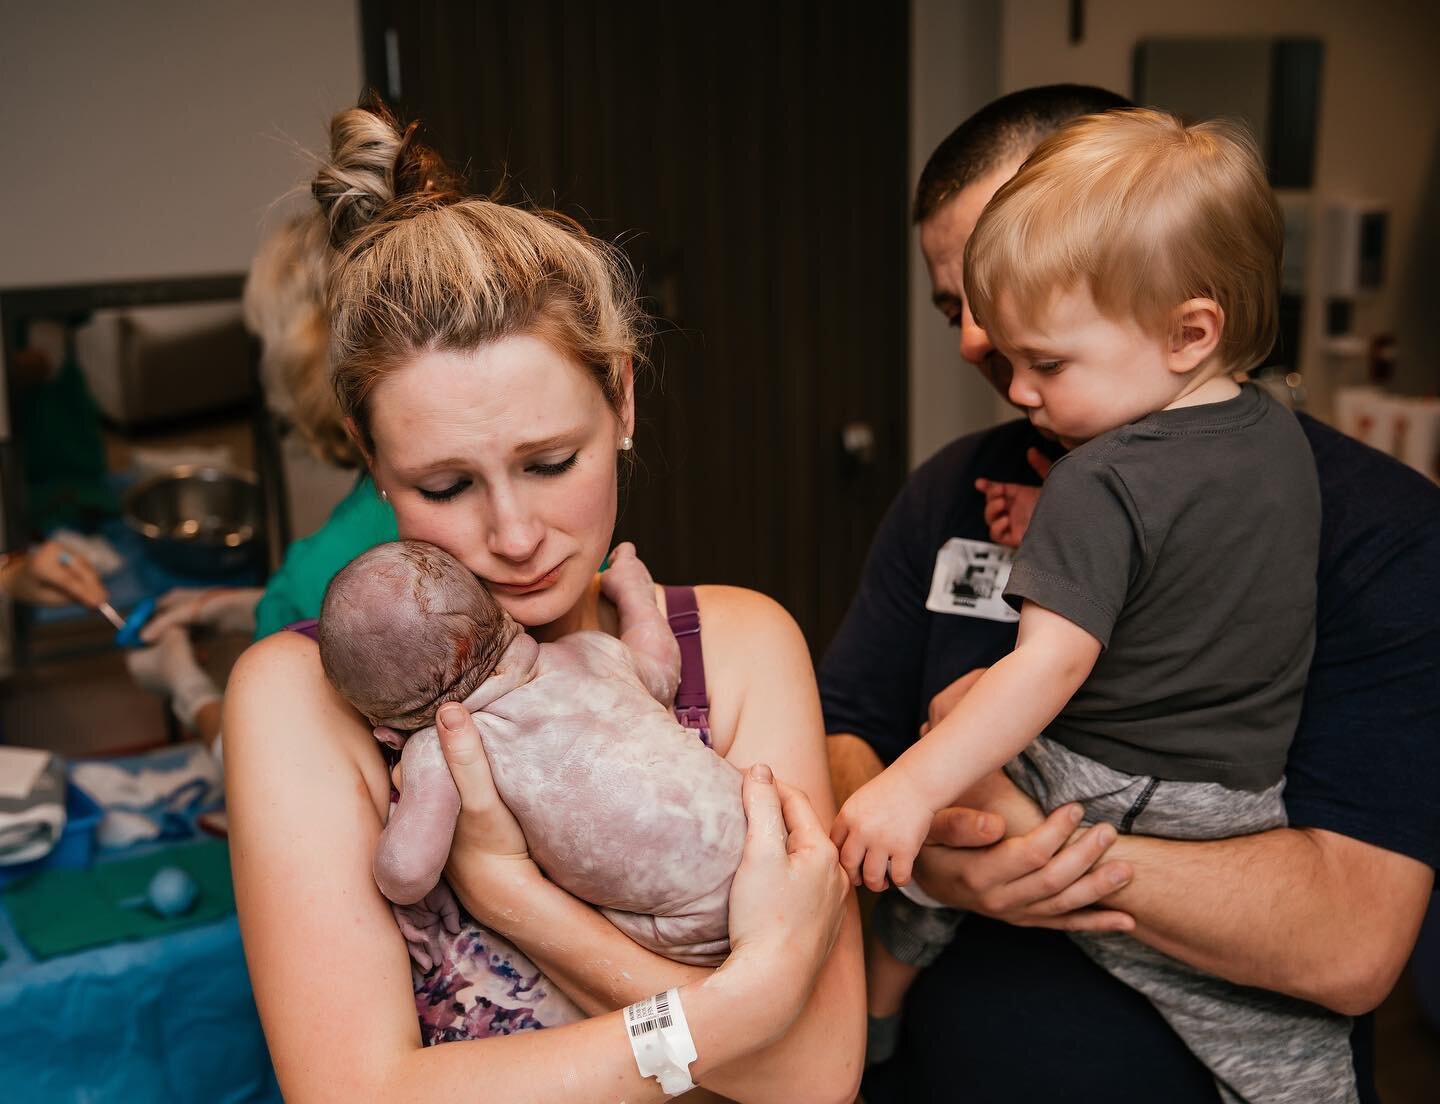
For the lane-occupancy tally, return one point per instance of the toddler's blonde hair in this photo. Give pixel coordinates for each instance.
(1145, 212)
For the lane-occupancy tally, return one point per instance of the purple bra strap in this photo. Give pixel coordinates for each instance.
(692, 703)
(309, 627)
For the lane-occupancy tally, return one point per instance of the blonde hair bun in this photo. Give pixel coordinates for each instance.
(373, 162)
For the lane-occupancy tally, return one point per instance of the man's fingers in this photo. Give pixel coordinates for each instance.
(1039, 463)
(1089, 920)
(961, 827)
(1095, 886)
(995, 508)
(1052, 876)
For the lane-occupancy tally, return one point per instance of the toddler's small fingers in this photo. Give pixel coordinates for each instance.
(877, 864)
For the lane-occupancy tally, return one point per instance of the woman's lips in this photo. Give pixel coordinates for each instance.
(541, 583)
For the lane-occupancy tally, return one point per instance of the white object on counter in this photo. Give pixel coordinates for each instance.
(1405, 427)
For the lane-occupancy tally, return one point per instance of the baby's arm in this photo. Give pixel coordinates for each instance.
(885, 822)
(643, 628)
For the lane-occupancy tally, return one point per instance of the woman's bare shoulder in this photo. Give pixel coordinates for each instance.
(279, 704)
(730, 614)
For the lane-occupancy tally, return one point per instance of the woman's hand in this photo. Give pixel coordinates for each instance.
(220, 609)
(486, 829)
(53, 575)
(786, 901)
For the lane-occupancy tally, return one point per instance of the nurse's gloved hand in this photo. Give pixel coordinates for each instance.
(170, 669)
(219, 609)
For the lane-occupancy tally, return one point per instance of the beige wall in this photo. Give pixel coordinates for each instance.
(1379, 128)
(954, 71)
(151, 138)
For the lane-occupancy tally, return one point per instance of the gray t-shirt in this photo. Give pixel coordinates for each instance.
(1186, 543)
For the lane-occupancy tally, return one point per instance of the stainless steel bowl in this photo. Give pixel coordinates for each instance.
(197, 520)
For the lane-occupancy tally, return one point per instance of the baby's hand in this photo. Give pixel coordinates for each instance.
(880, 828)
(627, 577)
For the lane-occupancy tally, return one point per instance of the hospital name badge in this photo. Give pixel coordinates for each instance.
(970, 578)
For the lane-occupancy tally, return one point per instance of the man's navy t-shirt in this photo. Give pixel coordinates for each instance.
(1019, 1014)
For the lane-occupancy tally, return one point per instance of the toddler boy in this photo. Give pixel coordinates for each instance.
(1129, 272)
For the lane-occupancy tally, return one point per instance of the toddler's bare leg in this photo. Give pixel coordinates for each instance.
(643, 628)
(887, 980)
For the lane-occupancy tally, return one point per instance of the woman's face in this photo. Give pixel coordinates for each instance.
(505, 457)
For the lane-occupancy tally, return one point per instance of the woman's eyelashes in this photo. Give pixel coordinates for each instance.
(555, 469)
(1049, 367)
(447, 493)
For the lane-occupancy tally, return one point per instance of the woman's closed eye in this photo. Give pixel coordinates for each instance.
(445, 494)
(559, 468)
(1048, 367)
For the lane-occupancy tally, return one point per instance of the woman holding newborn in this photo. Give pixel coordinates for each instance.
(484, 356)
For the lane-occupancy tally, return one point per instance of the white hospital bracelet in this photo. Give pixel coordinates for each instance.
(661, 1040)
(913, 891)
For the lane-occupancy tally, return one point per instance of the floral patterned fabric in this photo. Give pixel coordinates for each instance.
(469, 983)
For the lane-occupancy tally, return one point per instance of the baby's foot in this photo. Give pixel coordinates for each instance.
(627, 579)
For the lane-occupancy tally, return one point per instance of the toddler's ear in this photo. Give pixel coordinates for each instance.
(389, 737)
(1195, 334)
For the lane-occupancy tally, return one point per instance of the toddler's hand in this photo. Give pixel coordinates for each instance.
(1010, 506)
(881, 828)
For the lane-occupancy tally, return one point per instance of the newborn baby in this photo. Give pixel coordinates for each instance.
(619, 803)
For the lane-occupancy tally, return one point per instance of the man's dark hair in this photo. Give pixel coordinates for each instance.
(1002, 128)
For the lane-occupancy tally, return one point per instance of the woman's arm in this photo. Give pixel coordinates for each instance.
(765, 708)
(305, 790)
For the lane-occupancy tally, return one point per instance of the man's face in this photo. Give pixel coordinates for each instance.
(942, 240)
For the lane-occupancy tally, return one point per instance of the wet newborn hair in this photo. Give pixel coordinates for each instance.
(406, 628)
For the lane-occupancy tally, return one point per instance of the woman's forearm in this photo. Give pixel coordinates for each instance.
(1309, 913)
(601, 969)
(590, 1060)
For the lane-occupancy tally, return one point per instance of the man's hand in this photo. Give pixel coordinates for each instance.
(1045, 878)
(1009, 506)
(880, 830)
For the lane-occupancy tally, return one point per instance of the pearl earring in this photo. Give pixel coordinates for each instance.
(627, 443)
(384, 496)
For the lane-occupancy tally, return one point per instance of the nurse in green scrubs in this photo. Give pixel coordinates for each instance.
(284, 307)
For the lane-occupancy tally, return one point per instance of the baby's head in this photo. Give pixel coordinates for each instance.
(406, 628)
(1130, 260)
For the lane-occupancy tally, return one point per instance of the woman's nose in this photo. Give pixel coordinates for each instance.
(515, 532)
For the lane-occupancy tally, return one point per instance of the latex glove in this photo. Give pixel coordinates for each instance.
(170, 669)
(219, 609)
(53, 575)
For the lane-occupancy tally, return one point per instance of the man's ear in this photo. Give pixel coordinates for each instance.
(1195, 330)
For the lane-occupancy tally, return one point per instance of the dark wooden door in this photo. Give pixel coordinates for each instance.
(751, 159)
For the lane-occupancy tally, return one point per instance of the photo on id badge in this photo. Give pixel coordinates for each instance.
(970, 578)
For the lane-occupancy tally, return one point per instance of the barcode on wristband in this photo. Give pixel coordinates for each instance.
(651, 1014)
